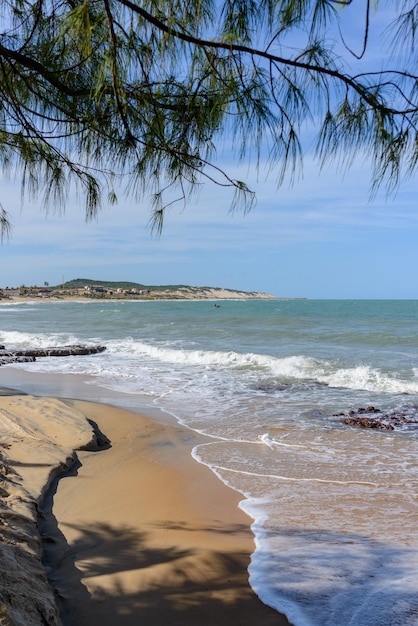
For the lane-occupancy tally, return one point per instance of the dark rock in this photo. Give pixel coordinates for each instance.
(4, 360)
(391, 420)
(30, 354)
(367, 422)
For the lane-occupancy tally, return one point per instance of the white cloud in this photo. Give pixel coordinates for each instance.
(283, 245)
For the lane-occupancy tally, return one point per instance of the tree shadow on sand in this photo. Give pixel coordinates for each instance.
(151, 585)
(198, 587)
(133, 581)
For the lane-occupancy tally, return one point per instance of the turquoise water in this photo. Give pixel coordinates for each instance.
(334, 508)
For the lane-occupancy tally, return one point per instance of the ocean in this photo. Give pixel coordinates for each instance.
(333, 507)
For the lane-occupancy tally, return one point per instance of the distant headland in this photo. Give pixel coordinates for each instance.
(82, 288)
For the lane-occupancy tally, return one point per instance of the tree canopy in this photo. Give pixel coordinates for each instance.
(138, 94)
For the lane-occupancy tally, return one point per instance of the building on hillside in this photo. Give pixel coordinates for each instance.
(95, 288)
(9, 293)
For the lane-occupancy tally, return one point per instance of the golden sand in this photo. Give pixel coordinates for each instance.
(142, 534)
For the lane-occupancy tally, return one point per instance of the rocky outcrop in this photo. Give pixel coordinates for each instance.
(31, 354)
(370, 417)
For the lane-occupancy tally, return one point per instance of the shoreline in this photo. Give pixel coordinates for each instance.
(84, 299)
(144, 530)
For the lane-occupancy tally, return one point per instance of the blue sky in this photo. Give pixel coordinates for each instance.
(321, 238)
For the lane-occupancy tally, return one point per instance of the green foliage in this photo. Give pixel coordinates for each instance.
(80, 283)
(140, 94)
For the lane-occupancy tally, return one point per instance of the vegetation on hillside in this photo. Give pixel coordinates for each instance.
(80, 283)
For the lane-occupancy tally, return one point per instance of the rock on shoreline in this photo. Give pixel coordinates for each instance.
(31, 354)
(370, 417)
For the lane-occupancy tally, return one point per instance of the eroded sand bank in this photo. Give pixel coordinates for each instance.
(140, 534)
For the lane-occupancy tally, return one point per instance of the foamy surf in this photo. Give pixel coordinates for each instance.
(334, 506)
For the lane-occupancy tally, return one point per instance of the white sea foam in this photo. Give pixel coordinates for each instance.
(267, 440)
(288, 369)
(126, 352)
(20, 340)
(323, 577)
(334, 508)
(328, 545)
(370, 379)
(316, 583)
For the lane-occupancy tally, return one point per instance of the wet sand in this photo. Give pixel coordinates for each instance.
(140, 533)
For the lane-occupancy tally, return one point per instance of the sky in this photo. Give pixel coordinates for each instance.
(320, 238)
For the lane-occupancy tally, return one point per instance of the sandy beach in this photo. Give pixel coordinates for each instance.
(139, 531)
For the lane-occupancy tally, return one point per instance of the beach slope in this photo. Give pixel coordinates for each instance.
(139, 531)
(38, 439)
